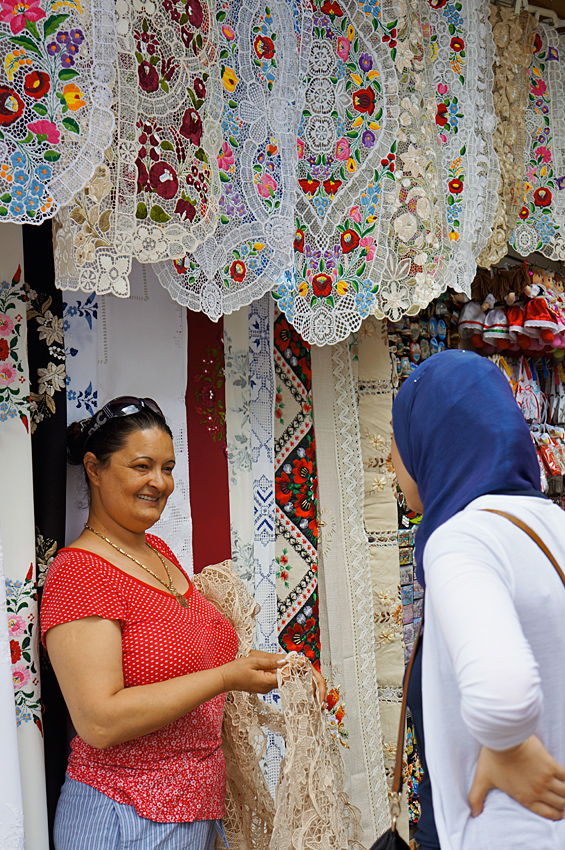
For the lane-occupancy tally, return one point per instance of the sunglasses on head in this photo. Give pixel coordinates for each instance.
(124, 405)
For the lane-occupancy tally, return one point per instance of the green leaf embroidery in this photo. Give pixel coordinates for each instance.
(67, 74)
(71, 125)
(25, 41)
(159, 215)
(166, 146)
(52, 24)
(141, 211)
(40, 109)
(51, 156)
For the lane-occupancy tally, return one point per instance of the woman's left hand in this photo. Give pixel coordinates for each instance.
(320, 682)
(527, 773)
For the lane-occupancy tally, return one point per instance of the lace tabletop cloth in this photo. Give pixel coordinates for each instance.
(57, 59)
(513, 36)
(346, 161)
(263, 49)
(541, 217)
(312, 811)
(462, 50)
(419, 247)
(157, 193)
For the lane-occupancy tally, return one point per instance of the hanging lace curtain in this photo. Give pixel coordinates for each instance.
(419, 247)
(462, 52)
(156, 195)
(263, 48)
(346, 161)
(57, 68)
(541, 223)
(513, 37)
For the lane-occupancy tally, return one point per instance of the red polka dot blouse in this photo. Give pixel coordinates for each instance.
(177, 773)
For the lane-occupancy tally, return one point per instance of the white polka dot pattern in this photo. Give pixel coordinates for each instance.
(177, 773)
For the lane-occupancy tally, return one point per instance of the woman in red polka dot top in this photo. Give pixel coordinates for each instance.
(143, 660)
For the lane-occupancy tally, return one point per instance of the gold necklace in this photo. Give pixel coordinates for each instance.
(171, 588)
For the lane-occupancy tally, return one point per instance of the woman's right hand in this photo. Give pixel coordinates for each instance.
(256, 674)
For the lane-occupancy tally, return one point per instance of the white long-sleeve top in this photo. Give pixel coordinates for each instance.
(493, 664)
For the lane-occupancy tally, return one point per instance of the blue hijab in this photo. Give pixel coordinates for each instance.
(460, 435)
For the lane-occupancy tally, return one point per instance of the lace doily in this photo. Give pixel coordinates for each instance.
(462, 50)
(513, 37)
(262, 65)
(419, 247)
(312, 810)
(157, 193)
(541, 216)
(346, 162)
(57, 58)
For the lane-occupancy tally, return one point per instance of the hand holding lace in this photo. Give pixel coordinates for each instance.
(255, 674)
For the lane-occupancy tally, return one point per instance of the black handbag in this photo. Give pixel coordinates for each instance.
(391, 840)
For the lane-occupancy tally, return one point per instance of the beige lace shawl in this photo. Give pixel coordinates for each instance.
(312, 811)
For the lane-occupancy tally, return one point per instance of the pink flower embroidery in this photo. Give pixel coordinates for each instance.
(267, 186)
(343, 46)
(531, 174)
(226, 158)
(367, 243)
(442, 138)
(16, 625)
(342, 149)
(300, 146)
(6, 325)
(545, 154)
(355, 214)
(538, 88)
(17, 12)
(442, 88)
(7, 374)
(20, 676)
(45, 128)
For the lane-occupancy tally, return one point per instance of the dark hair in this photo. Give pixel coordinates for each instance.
(110, 437)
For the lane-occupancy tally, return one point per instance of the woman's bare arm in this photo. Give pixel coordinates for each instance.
(86, 655)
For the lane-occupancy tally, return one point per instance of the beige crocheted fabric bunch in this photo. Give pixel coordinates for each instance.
(513, 37)
(312, 811)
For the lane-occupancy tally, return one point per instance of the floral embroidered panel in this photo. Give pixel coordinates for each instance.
(346, 161)
(156, 195)
(513, 37)
(296, 495)
(18, 536)
(12, 816)
(462, 51)
(263, 50)
(419, 248)
(56, 74)
(541, 223)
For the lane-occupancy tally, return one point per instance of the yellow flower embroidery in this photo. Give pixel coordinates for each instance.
(229, 79)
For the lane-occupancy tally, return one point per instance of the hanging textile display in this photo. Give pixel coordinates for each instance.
(124, 328)
(346, 161)
(347, 624)
(48, 425)
(542, 219)
(56, 120)
(263, 52)
(262, 410)
(206, 422)
(238, 436)
(419, 247)
(155, 197)
(381, 523)
(296, 495)
(80, 317)
(11, 810)
(18, 537)
(462, 51)
(513, 37)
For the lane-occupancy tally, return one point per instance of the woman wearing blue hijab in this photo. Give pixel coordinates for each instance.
(487, 692)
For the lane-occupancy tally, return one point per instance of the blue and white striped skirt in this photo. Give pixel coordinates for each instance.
(86, 819)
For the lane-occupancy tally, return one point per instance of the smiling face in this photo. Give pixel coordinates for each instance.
(405, 481)
(131, 491)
